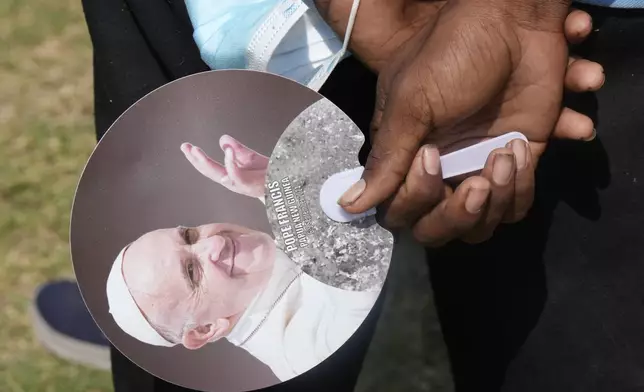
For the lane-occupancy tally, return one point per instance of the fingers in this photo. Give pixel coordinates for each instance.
(577, 26)
(504, 192)
(574, 125)
(422, 190)
(584, 75)
(233, 171)
(394, 147)
(456, 215)
(581, 76)
(500, 171)
(523, 182)
(246, 158)
(203, 163)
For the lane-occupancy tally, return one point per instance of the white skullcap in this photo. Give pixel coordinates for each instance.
(125, 311)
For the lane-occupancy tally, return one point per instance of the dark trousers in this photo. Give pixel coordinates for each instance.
(554, 303)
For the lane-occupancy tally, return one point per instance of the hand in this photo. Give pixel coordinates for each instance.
(473, 210)
(382, 27)
(421, 98)
(243, 172)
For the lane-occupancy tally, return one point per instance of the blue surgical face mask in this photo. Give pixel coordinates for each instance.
(285, 37)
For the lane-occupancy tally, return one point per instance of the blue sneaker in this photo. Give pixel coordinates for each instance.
(64, 326)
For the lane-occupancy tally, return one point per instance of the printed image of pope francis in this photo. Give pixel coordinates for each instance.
(192, 286)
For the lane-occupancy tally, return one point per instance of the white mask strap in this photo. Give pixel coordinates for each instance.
(323, 74)
(352, 21)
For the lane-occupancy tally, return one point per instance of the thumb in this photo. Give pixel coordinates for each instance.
(396, 140)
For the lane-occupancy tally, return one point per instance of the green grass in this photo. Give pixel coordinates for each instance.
(46, 135)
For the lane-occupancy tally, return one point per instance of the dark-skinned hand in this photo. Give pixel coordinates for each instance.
(452, 74)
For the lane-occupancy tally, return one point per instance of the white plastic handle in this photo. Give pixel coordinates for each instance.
(473, 158)
(466, 160)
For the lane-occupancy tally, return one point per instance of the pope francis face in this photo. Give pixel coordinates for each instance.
(193, 283)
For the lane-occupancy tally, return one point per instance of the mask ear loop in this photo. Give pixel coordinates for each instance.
(321, 76)
(352, 21)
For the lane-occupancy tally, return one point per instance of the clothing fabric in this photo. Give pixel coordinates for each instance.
(556, 302)
(590, 334)
(297, 322)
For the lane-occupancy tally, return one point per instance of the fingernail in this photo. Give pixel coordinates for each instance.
(352, 194)
(476, 199)
(592, 136)
(520, 153)
(502, 171)
(598, 83)
(603, 81)
(431, 160)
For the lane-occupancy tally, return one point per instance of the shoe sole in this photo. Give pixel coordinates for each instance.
(73, 350)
